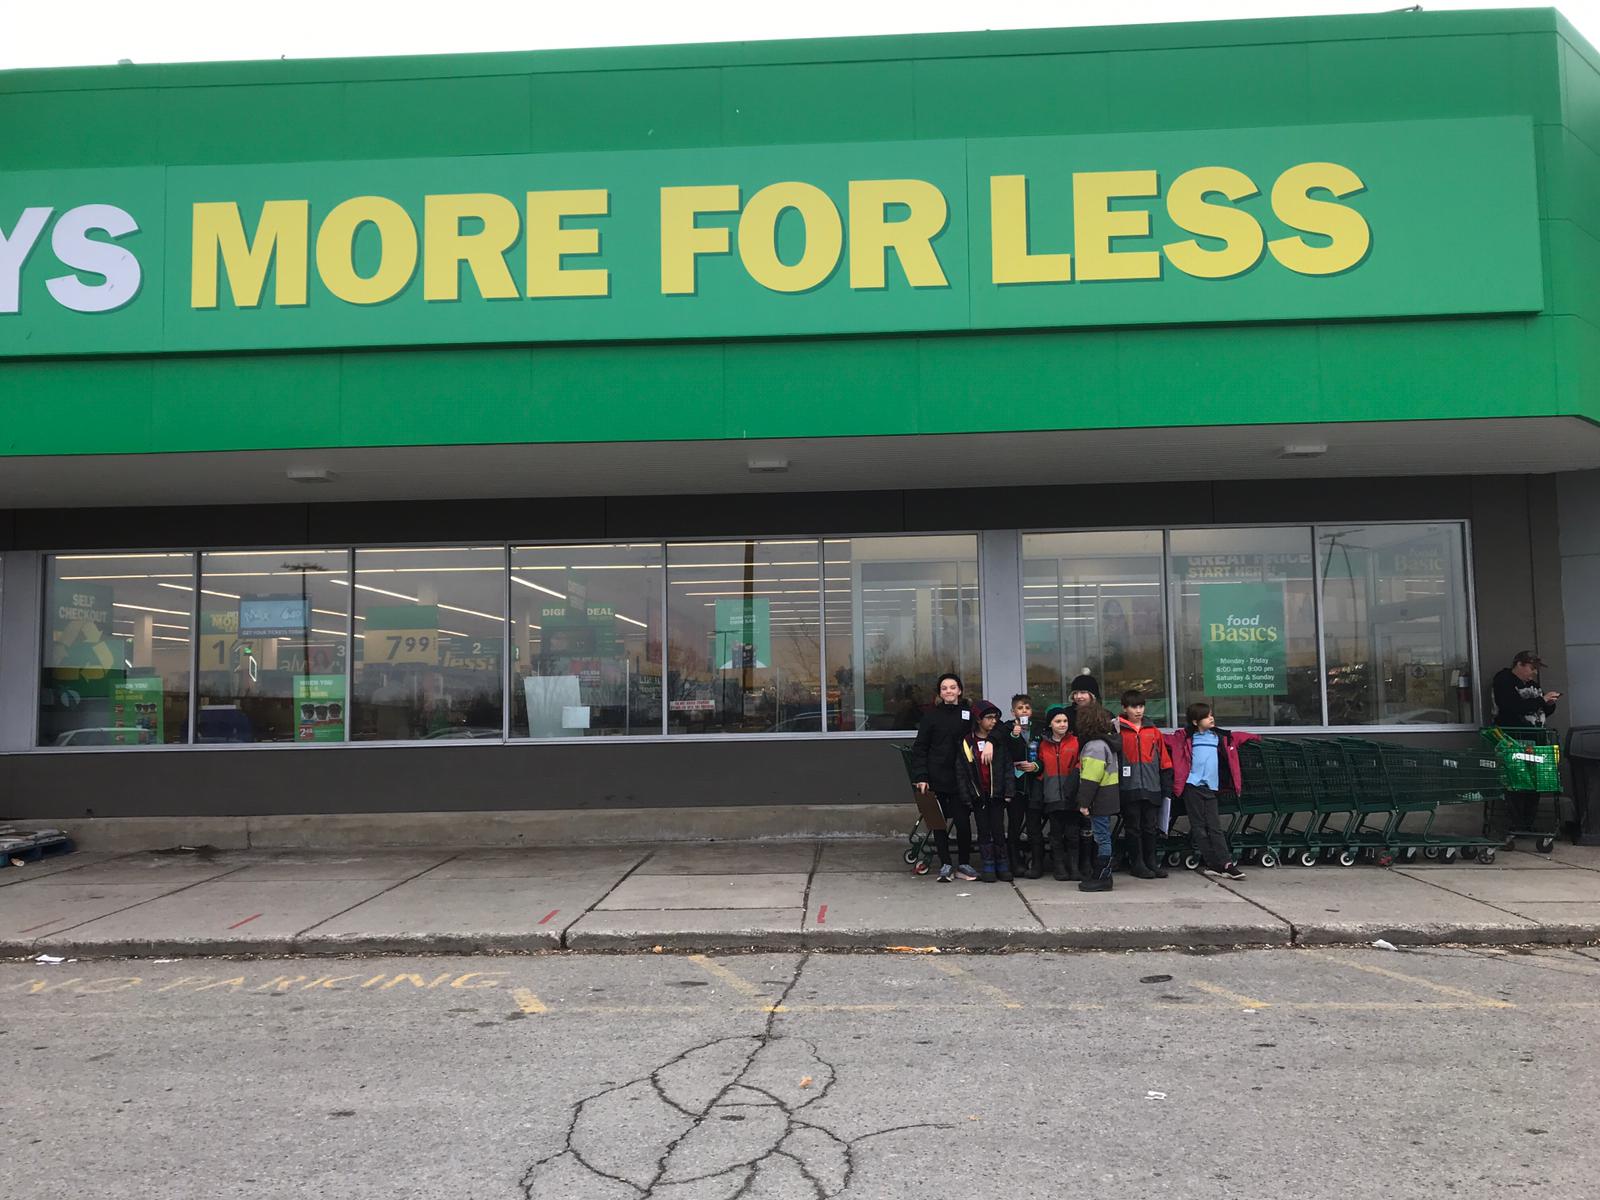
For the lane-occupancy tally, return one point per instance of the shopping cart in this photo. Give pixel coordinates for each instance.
(1529, 761)
(920, 849)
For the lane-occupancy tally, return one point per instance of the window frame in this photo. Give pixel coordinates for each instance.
(45, 558)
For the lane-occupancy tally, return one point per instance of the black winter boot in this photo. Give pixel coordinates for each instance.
(1138, 862)
(1152, 856)
(1087, 857)
(1100, 880)
(1060, 860)
(1035, 845)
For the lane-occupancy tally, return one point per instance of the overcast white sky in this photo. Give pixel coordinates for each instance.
(39, 33)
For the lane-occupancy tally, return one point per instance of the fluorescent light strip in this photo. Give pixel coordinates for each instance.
(105, 557)
(171, 612)
(538, 587)
(76, 578)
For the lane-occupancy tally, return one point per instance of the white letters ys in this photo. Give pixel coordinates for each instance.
(116, 268)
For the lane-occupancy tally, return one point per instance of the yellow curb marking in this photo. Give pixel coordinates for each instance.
(744, 987)
(988, 989)
(528, 1002)
(1214, 989)
(1442, 988)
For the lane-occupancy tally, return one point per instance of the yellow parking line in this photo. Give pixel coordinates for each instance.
(1443, 989)
(528, 1002)
(1213, 989)
(742, 986)
(988, 989)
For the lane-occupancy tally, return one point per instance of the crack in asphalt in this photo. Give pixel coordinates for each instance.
(757, 1079)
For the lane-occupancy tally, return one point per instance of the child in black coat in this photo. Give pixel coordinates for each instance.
(985, 772)
(934, 758)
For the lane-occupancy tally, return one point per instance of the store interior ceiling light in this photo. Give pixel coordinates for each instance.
(1303, 450)
(309, 475)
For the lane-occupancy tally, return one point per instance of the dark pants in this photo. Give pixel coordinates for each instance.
(1519, 810)
(1016, 816)
(1205, 827)
(991, 818)
(1141, 814)
(957, 813)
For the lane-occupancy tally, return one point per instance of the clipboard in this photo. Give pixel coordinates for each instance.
(930, 812)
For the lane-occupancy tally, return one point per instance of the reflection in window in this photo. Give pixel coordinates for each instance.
(745, 630)
(1092, 602)
(1246, 624)
(429, 643)
(1394, 610)
(116, 650)
(587, 656)
(272, 646)
(901, 611)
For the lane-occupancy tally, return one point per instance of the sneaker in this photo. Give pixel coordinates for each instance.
(1213, 873)
(946, 873)
(965, 872)
(1232, 871)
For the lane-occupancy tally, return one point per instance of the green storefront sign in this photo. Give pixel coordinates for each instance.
(1297, 222)
(743, 637)
(1242, 639)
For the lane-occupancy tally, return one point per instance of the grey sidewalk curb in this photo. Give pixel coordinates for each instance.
(576, 942)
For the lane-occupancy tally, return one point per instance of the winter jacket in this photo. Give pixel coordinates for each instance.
(1018, 746)
(1517, 703)
(938, 746)
(1146, 761)
(1098, 777)
(1001, 781)
(1058, 774)
(1179, 743)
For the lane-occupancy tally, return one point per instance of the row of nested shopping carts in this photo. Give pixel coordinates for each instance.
(1350, 800)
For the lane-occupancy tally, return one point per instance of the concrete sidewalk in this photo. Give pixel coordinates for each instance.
(775, 895)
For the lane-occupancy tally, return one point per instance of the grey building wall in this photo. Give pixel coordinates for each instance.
(1521, 576)
(1578, 519)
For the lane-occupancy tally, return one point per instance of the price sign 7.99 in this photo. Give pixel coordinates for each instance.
(402, 646)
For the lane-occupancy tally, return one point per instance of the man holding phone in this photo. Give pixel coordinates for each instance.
(1520, 702)
(1519, 699)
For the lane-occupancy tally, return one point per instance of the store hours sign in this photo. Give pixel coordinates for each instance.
(1242, 639)
(1293, 223)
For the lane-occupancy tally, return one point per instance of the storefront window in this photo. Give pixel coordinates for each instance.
(273, 634)
(1092, 603)
(117, 650)
(1395, 630)
(744, 637)
(900, 611)
(586, 640)
(429, 643)
(1246, 624)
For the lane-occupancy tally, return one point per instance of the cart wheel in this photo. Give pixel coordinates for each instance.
(911, 856)
(1486, 855)
(1409, 854)
(1450, 854)
(1431, 852)
(1547, 845)
(919, 868)
(1469, 852)
(1191, 862)
(1175, 859)
(1308, 858)
(1268, 859)
(1347, 858)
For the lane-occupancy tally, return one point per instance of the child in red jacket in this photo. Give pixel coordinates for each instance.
(1146, 784)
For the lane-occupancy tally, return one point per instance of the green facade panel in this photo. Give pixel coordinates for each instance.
(794, 378)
